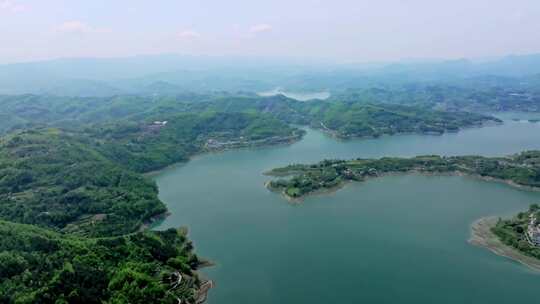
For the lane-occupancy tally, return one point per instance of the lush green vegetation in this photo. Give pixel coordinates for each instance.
(521, 169)
(512, 232)
(26, 111)
(148, 146)
(85, 182)
(59, 180)
(353, 118)
(41, 266)
(347, 120)
(344, 118)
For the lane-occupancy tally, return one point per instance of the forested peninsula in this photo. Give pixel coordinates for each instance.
(521, 170)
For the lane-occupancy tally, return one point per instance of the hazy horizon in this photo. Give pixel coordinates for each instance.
(279, 59)
(343, 31)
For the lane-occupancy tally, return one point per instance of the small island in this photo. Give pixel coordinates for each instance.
(298, 180)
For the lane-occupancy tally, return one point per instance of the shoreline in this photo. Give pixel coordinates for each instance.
(290, 140)
(481, 236)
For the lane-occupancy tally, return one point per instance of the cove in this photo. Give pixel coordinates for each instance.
(397, 239)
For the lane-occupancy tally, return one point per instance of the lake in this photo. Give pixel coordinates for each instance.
(300, 96)
(397, 239)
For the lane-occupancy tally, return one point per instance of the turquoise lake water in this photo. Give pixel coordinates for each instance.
(397, 239)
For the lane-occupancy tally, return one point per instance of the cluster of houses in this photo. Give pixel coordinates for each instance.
(350, 174)
(214, 144)
(533, 232)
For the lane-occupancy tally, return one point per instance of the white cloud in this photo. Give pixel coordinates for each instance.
(260, 28)
(78, 27)
(189, 34)
(11, 6)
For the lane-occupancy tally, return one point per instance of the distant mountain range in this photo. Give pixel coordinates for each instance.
(173, 74)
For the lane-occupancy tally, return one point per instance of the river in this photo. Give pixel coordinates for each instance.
(397, 239)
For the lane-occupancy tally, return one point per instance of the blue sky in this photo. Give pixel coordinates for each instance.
(339, 30)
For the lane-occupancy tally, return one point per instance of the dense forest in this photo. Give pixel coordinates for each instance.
(347, 118)
(42, 266)
(152, 145)
(55, 179)
(522, 169)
